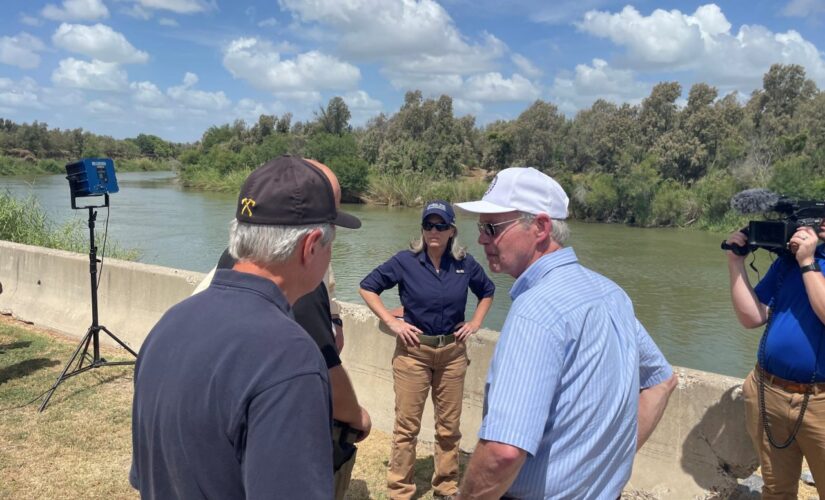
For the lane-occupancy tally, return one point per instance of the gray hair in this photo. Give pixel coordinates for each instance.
(458, 252)
(267, 245)
(560, 231)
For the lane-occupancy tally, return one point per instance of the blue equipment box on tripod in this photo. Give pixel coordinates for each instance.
(91, 177)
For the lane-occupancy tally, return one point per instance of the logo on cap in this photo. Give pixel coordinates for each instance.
(439, 206)
(492, 185)
(247, 203)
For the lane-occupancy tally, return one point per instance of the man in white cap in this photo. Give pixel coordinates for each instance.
(576, 384)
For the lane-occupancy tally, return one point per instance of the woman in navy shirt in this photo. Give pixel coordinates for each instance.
(433, 279)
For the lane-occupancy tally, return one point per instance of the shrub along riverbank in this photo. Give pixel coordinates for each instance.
(25, 221)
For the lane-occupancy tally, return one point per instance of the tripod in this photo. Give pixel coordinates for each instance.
(92, 335)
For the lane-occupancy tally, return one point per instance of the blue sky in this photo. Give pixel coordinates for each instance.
(175, 67)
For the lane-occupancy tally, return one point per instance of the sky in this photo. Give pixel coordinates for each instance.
(174, 68)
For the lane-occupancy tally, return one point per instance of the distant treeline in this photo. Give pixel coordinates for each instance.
(658, 163)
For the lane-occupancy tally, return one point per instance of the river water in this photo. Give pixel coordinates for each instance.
(677, 279)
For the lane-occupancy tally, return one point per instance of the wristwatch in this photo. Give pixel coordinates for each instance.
(813, 266)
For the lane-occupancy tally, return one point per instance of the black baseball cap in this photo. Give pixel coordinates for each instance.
(290, 191)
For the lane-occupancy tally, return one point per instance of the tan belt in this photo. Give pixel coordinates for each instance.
(436, 340)
(789, 385)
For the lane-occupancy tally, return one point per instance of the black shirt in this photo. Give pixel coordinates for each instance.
(311, 312)
(232, 399)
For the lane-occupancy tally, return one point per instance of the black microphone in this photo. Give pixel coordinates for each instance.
(754, 201)
(751, 201)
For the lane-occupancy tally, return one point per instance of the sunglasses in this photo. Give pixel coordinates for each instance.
(440, 227)
(491, 229)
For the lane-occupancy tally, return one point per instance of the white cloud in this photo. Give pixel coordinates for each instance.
(428, 83)
(138, 12)
(362, 106)
(268, 22)
(165, 21)
(804, 8)
(196, 100)
(99, 107)
(704, 43)
(98, 42)
(494, 87)
(598, 81)
(260, 64)
(147, 94)
(30, 20)
(76, 10)
(94, 75)
(21, 50)
(465, 107)
(22, 94)
(525, 66)
(415, 40)
(179, 6)
(250, 109)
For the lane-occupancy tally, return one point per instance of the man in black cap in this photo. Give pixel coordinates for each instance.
(232, 397)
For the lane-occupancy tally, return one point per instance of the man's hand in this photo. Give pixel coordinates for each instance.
(803, 244)
(405, 331)
(466, 329)
(737, 238)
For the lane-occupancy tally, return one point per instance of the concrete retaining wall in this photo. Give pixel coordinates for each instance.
(699, 448)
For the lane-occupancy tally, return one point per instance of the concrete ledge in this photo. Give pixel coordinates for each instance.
(698, 451)
(52, 288)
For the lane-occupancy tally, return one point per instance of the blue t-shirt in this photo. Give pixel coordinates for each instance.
(794, 348)
(433, 301)
(564, 381)
(231, 399)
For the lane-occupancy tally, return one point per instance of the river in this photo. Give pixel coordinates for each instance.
(677, 279)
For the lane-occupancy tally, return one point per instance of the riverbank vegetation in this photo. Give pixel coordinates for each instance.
(35, 149)
(25, 221)
(671, 160)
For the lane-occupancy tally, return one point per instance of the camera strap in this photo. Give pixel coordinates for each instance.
(761, 374)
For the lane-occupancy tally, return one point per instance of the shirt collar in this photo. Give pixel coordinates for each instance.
(261, 285)
(538, 269)
(445, 258)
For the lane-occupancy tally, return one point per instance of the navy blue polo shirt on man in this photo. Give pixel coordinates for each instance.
(231, 400)
(433, 301)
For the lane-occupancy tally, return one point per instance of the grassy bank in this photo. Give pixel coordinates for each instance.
(25, 221)
(21, 166)
(80, 447)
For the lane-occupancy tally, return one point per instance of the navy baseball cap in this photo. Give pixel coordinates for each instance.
(441, 208)
(290, 191)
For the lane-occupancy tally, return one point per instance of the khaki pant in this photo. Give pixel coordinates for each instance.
(415, 370)
(342, 477)
(781, 468)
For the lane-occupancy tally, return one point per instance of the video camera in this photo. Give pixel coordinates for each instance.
(774, 234)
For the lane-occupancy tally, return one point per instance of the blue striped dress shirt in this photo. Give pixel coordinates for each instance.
(564, 381)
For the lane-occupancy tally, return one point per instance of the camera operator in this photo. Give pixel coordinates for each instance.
(785, 393)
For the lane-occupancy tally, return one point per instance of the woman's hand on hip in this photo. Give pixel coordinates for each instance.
(405, 331)
(466, 329)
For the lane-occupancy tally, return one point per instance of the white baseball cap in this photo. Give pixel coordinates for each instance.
(522, 189)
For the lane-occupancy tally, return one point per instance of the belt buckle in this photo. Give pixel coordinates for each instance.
(441, 341)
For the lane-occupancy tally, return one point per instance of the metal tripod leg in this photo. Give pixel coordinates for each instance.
(84, 345)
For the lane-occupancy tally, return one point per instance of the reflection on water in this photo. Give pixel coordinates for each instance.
(677, 279)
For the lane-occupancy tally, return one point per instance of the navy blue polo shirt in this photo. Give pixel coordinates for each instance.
(795, 346)
(434, 302)
(232, 399)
